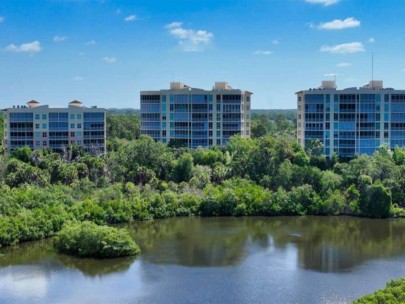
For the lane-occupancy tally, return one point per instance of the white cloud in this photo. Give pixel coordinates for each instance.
(77, 78)
(2, 19)
(59, 39)
(330, 75)
(130, 18)
(275, 42)
(371, 40)
(339, 24)
(189, 40)
(345, 48)
(91, 42)
(30, 47)
(323, 2)
(260, 52)
(343, 65)
(110, 59)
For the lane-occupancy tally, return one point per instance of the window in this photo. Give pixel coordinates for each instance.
(44, 143)
(72, 126)
(72, 116)
(79, 126)
(79, 116)
(36, 126)
(37, 134)
(43, 116)
(43, 126)
(72, 134)
(36, 116)
(37, 143)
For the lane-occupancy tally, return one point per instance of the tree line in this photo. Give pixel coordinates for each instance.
(140, 179)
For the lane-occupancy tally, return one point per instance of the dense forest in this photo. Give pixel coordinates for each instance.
(140, 179)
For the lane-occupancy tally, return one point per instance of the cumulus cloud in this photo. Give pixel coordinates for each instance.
(59, 39)
(109, 59)
(260, 52)
(345, 48)
(371, 40)
(91, 42)
(2, 19)
(343, 65)
(130, 18)
(323, 2)
(77, 78)
(339, 24)
(189, 40)
(30, 47)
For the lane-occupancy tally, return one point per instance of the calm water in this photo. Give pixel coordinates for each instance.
(218, 260)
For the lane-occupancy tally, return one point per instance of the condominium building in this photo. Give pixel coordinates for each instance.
(40, 127)
(351, 121)
(194, 117)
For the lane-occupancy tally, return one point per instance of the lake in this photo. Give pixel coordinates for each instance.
(218, 260)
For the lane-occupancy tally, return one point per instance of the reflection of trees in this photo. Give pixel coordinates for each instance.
(95, 267)
(42, 252)
(191, 241)
(336, 243)
(323, 243)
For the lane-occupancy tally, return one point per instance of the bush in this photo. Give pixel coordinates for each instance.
(393, 293)
(87, 239)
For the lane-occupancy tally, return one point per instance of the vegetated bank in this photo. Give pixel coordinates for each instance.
(393, 293)
(142, 179)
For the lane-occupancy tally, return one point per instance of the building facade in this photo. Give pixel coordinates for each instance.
(40, 127)
(195, 117)
(351, 121)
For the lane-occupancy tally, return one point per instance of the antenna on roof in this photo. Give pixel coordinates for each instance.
(372, 69)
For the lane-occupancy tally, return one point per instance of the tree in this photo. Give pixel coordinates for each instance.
(376, 201)
(183, 168)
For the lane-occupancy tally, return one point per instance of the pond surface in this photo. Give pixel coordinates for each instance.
(218, 260)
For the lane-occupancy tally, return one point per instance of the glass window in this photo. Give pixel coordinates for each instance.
(72, 134)
(36, 126)
(72, 126)
(79, 126)
(72, 116)
(37, 143)
(37, 134)
(44, 134)
(43, 116)
(43, 126)
(44, 143)
(36, 116)
(79, 116)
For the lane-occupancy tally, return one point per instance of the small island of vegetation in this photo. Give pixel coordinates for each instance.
(87, 239)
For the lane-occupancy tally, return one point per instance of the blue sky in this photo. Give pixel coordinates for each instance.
(103, 52)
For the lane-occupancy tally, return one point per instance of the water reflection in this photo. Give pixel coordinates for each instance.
(326, 244)
(34, 253)
(323, 244)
